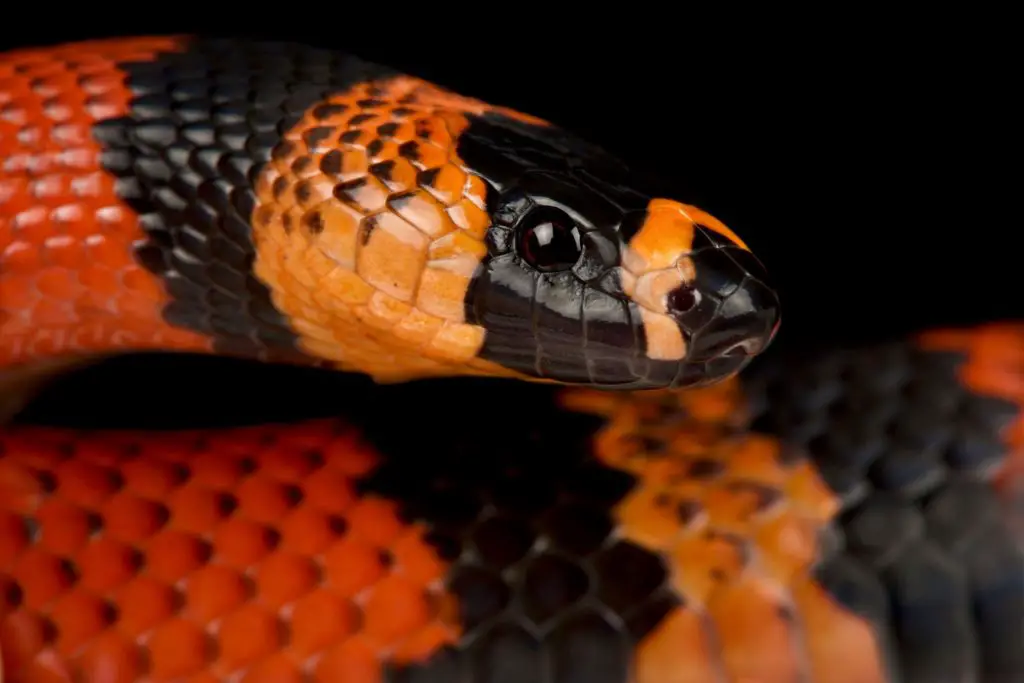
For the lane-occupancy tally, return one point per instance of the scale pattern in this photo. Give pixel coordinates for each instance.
(676, 546)
(913, 438)
(70, 283)
(205, 554)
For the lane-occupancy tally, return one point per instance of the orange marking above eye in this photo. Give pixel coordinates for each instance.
(705, 219)
(665, 236)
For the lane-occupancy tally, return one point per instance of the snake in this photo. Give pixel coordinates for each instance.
(572, 452)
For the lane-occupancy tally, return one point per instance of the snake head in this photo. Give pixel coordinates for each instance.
(407, 232)
(592, 279)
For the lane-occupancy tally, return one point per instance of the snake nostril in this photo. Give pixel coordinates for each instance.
(682, 299)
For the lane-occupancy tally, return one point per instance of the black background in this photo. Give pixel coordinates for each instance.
(862, 159)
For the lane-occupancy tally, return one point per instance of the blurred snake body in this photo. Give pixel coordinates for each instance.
(640, 514)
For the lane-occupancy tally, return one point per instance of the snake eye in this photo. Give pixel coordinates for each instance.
(549, 240)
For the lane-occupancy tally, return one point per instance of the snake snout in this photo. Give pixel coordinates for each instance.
(730, 312)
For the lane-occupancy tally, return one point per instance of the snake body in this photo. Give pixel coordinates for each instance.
(631, 510)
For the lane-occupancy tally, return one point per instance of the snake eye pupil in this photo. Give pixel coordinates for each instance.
(682, 299)
(549, 240)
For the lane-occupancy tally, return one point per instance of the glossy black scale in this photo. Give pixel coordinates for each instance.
(558, 311)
